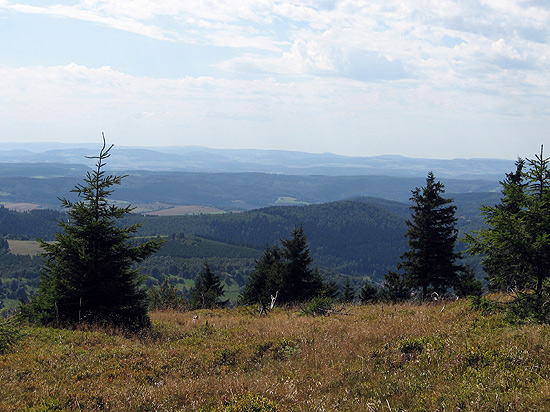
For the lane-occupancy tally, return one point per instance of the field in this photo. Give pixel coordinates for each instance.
(362, 358)
(185, 210)
(21, 207)
(24, 247)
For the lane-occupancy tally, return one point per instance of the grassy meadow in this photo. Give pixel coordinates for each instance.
(24, 247)
(362, 358)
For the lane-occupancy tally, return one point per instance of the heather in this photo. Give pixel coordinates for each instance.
(406, 357)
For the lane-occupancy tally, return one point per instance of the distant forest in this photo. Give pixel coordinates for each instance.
(361, 238)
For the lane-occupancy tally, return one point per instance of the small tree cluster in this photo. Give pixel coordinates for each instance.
(284, 272)
(165, 296)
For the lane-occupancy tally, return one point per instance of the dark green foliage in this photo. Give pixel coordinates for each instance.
(467, 284)
(207, 291)
(430, 264)
(87, 274)
(501, 244)
(395, 288)
(483, 304)
(339, 233)
(189, 246)
(9, 334)
(318, 306)
(348, 293)
(368, 294)
(265, 281)
(299, 280)
(165, 296)
(284, 272)
(330, 289)
(4, 244)
(515, 247)
(29, 225)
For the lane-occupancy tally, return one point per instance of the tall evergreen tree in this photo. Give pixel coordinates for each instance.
(88, 274)
(431, 262)
(516, 245)
(502, 243)
(208, 290)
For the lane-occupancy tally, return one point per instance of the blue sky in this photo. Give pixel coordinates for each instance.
(419, 78)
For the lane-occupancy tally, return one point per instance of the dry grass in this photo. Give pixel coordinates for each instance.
(373, 358)
(25, 247)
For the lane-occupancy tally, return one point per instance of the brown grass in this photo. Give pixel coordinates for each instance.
(372, 358)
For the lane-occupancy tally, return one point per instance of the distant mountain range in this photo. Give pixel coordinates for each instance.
(202, 159)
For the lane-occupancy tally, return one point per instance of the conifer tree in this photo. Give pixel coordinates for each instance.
(88, 273)
(208, 289)
(396, 288)
(515, 247)
(300, 281)
(265, 281)
(348, 293)
(285, 272)
(368, 293)
(431, 262)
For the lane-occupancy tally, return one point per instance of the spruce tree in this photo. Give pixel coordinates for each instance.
(515, 247)
(431, 262)
(265, 280)
(285, 272)
(88, 273)
(348, 293)
(208, 289)
(368, 293)
(299, 281)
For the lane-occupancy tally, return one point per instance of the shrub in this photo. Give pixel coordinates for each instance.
(321, 305)
(250, 402)
(9, 335)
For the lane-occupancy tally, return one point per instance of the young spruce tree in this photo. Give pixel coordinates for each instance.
(88, 273)
(300, 282)
(431, 263)
(285, 272)
(208, 289)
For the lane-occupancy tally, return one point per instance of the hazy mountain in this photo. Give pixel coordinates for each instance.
(202, 159)
(41, 184)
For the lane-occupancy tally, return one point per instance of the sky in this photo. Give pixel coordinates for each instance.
(418, 78)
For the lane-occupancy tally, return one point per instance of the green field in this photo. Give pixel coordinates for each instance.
(287, 200)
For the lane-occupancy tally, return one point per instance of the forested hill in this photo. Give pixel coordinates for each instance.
(29, 225)
(358, 237)
(350, 237)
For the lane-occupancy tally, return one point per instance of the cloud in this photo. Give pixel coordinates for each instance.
(75, 12)
(354, 62)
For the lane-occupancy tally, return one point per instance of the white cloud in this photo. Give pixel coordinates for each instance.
(355, 63)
